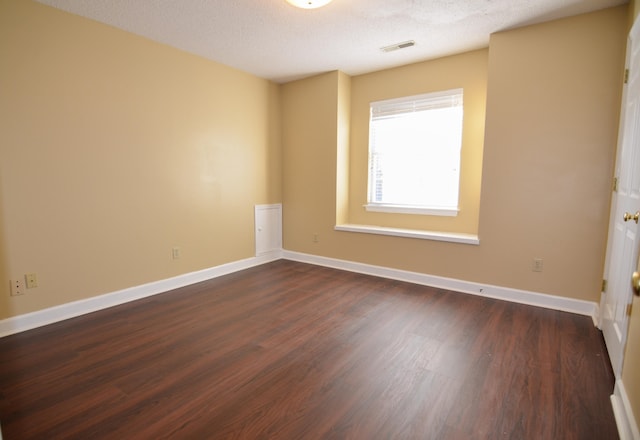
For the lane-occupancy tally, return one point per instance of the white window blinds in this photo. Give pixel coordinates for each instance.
(414, 153)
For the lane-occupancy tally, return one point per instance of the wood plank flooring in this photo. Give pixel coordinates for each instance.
(293, 351)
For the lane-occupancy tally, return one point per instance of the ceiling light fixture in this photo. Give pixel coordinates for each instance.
(308, 4)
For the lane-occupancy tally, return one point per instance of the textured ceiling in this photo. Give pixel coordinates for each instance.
(273, 40)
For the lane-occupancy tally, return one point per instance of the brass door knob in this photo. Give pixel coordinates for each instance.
(635, 282)
(634, 217)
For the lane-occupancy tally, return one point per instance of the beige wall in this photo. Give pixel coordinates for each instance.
(310, 138)
(114, 149)
(343, 148)
(552, 118)
(552, 105)
(467, 71)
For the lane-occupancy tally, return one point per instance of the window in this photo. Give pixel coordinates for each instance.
(414, 154)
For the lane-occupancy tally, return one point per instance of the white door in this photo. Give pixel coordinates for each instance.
(622, 249)
(268, 228)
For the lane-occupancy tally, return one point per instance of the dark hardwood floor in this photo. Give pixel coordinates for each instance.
(293, 351)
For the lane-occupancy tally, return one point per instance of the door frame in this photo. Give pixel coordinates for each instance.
(623, 412)
(633, 38)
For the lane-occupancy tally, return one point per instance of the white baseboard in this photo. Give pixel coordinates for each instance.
(51, 315)
(626, 421)
(627, 425)
(29, 321)
(514, 295)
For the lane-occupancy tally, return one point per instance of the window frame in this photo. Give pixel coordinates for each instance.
(393, 106)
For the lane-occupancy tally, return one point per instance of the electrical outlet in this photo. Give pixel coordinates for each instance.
(175, 253)
(537, 265)
(315, 237)
(31, 280)
(17, 287)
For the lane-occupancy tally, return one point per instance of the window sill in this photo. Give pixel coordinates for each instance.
(453, 237)
(407, 209)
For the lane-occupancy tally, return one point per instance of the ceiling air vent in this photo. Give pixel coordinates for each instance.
(398, 46)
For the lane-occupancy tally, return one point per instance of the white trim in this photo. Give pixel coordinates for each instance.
(625, 420)
(51, 315)
(411, 209)
(453, 237)
(29, 321)
(580, 307)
